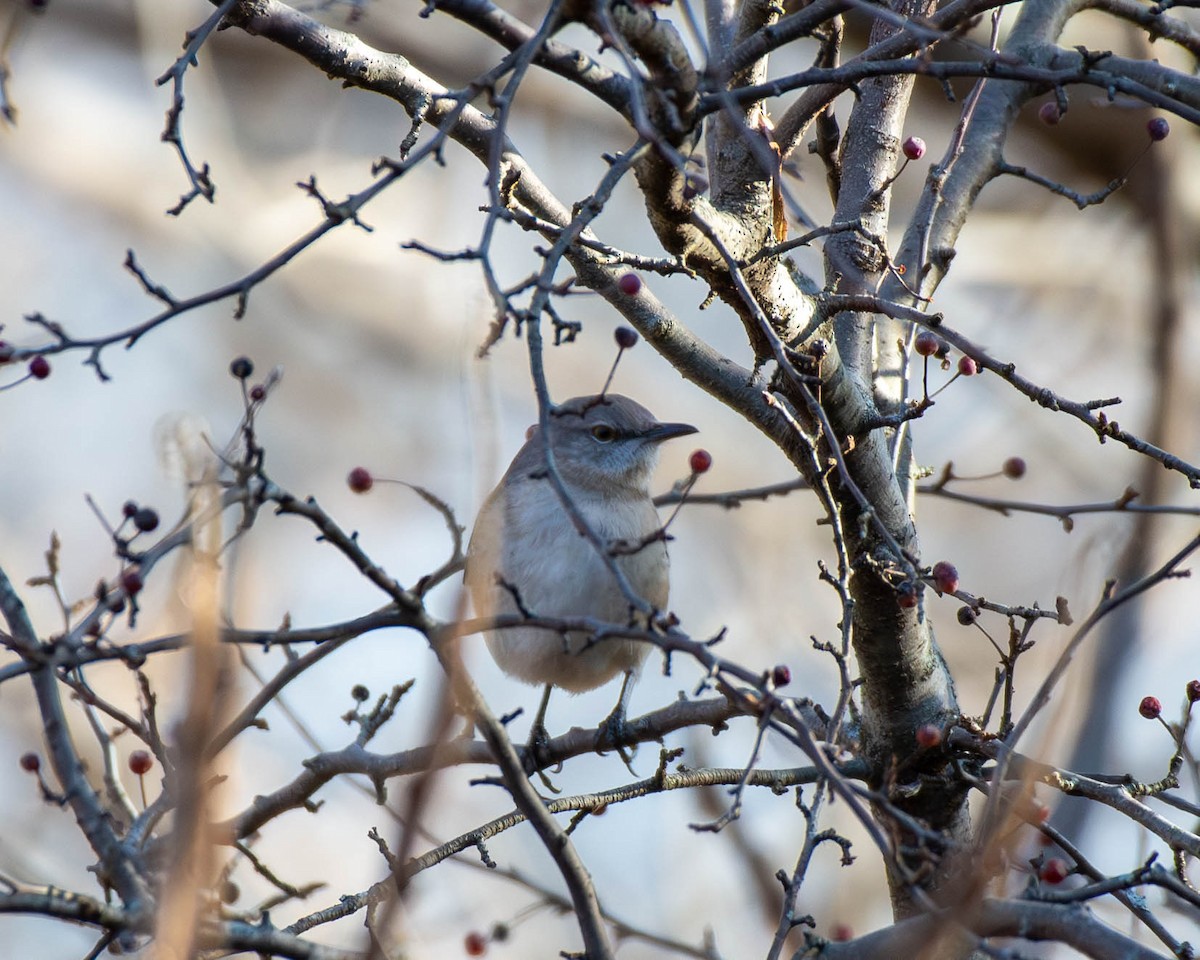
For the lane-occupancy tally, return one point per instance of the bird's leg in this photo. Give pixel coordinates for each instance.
(535, 748)
(614, 730)
(538, 737)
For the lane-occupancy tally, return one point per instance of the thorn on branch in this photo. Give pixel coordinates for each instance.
(336, 213)
(155, 290)
(446, 256)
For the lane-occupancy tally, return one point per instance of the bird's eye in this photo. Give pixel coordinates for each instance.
(604, 433)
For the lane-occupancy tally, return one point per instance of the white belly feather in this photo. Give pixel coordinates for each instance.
(558, 573)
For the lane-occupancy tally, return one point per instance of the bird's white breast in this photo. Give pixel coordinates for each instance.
(558, 573)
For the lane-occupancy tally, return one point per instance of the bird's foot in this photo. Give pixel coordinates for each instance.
(537, 757)
(615, 733)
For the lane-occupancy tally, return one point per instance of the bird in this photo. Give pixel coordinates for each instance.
(528, 556)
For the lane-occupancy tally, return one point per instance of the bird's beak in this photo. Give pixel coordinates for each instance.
(666, 431)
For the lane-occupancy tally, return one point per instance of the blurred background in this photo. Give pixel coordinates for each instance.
(377, 346)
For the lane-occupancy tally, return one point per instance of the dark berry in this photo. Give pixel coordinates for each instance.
(1193, 691)
(360, 480)
(230, 892)
(31, 762)
(629, 284)
(140, 762)
(145, 519)
(241, 367)
(1049, 113)
(700, 461)
(475, 944)
(360, 692)
(626, 337)
(967, 367)
(1054, 870)
(906, 595)
(39, 367)
(781, 676)
(945, 577)
(928, 736)
(129, 508)
(914, 148)
(926, 343)
(258, 393)
(1158, 128)
(967, 616)
(131, 580)
(1014, 468)
(1150, 707)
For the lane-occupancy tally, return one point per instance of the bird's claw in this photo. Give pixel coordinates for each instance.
(615, 733)
(536, 756)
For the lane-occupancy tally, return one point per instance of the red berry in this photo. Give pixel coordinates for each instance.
(1150, 707)
(1014, 468)
(1193, 691)
(629, 284)
(1054, 870)
(40, 368)
(906, 595)
(914, 148)
(1049, 113)
(31, 762)
(700, 461)
(1158, 128)
(258, 393)
(360, 480)
(140, 762)
(145, 519)
(927, 343)
(945, 577)
(967, 367)
(841, 933)
(781, 676)
(475, 944)
(131, 580)
(928, 736)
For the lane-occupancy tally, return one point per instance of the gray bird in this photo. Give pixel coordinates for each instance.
(525, 546)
